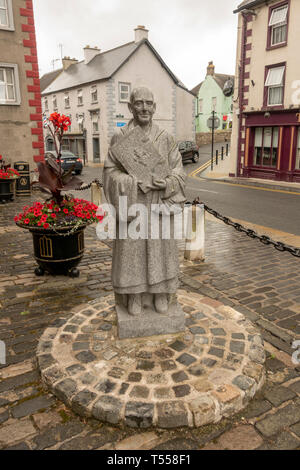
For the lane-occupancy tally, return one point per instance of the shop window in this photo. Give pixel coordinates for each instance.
(266, 146)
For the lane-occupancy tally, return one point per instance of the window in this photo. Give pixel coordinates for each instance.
(54, 102)
(200, 106)
(80, 98)
(278, 26)
(274, 85)
(80, 119)
(297, 164)
(6, 15)
(94, 94)
(214, 103)
(124, 92)
(266, 146)
(67, 100)
(9, 85)
(46, 106)
(95, 122)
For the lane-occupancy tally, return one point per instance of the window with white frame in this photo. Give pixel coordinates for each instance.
(70, 127)
(124, 92)
(9, 85)
(95, 121)
(6, 15)
(79, 98)
(214, 103)
(278, 25)
(67, 100)
(80, 119)
(200, 106)
(274, 84)
(94, 94)
(54, 102)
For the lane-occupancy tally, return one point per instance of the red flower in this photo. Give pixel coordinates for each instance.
(26, 221)
(46, 225)
(66, 211)
(53, 215)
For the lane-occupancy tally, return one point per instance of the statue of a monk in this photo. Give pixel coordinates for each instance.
(141, 266)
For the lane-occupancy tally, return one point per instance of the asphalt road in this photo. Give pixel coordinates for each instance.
(269, 208)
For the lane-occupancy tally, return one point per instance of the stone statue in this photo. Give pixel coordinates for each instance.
(144, 165)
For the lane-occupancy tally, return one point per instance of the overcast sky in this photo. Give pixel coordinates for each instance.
(186, 33)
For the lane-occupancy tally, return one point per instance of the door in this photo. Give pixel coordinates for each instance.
(96, 150)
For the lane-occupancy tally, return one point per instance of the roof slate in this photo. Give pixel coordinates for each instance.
(48, 78)
(220, 79)
(102, 67)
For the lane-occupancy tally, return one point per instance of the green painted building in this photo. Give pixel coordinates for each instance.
(210, 97)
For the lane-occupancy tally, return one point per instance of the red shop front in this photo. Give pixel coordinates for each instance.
(272, 146)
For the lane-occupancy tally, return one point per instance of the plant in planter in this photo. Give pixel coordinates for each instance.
(57, 224)
(8, 177)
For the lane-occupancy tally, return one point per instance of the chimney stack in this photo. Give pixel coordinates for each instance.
(90, 53)
(66, 62)
(210, 69)
(140, 33)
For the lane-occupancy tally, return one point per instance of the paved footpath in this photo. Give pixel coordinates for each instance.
(256, 280)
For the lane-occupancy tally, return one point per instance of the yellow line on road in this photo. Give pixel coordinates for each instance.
(257, 187)
(205, 165)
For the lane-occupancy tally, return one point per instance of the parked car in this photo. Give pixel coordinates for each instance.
(68, 159)
(188, 150)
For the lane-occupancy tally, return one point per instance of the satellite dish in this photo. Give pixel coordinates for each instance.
(228, 87)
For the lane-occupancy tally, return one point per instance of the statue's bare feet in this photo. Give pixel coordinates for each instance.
(161, 303)
(134, 304)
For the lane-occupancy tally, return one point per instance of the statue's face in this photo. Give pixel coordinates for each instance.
(142, 107)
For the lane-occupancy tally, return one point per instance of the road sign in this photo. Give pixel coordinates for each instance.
(216, 121)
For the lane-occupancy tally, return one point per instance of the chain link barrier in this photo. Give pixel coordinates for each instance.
(279, 246)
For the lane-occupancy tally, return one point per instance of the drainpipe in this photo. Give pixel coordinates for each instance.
(241, 90)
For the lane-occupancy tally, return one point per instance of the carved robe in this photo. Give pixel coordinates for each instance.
(145, 265)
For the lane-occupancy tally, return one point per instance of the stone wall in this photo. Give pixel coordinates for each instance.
(203, 138)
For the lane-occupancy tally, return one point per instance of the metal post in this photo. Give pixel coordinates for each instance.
(212, 140)
(217, 154)
(222, 153)
(226, 150)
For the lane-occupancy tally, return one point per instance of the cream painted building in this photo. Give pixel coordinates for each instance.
(266, 124)
(95, 93)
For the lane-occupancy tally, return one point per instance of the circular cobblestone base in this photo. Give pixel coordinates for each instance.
(193, 378)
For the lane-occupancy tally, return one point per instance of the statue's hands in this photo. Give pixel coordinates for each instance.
(157, 185)
(160, 184)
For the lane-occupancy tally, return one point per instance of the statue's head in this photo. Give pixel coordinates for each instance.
(142, 105)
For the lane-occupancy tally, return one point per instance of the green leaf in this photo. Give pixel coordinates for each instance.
(26, 312)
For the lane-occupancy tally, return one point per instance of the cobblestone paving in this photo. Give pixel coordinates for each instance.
(211, 369)
(256, 280)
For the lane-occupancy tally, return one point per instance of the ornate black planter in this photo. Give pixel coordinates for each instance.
(57, 252)
(7, 189)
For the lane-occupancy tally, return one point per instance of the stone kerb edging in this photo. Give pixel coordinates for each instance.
(210, 371)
